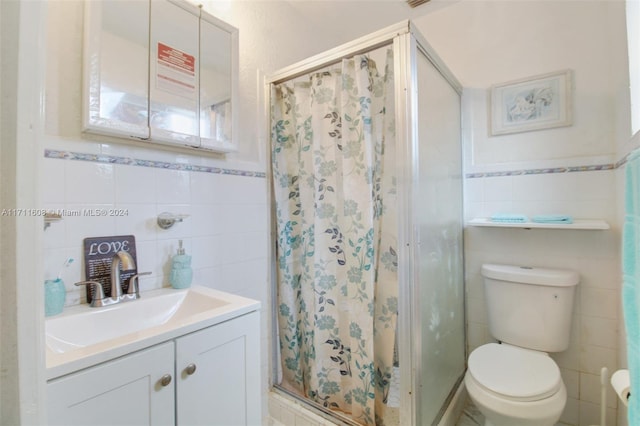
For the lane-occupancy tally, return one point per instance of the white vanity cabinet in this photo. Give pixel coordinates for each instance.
(125, 391)
(215, 380)
(162, 71)
(217, 373)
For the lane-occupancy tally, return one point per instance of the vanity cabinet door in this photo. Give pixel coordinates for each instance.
(125, 391)
(218, 374)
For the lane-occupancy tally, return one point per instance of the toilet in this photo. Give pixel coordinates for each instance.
(515, 381)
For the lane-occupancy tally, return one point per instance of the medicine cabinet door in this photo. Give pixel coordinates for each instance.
(218, 83)
(174, 77)
(116, 68)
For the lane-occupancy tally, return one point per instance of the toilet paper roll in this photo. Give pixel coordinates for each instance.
(621, 384)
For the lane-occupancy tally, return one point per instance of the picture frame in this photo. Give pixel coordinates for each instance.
(533, 103)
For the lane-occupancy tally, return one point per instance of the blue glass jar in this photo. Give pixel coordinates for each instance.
(54, 296)
(181, 272)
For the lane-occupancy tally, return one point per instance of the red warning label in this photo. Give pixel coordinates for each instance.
(176, 59)
(176, 71)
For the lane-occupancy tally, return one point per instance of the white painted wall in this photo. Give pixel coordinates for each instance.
(633, 35)
(21, 296)
(492, 42)
(8, 360)
(3, 179)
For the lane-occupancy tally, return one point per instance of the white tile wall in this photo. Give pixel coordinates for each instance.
(226, 231)
(593, 254)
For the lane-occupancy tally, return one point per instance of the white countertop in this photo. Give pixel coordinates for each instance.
(63, 358)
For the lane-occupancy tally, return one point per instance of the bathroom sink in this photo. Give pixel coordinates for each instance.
(84, 335)
(95, 325)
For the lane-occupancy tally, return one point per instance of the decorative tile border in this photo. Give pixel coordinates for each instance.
(621, 162)
(112, 159)
(592, 168)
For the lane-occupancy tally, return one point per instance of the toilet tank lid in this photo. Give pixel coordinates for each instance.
(531, 275)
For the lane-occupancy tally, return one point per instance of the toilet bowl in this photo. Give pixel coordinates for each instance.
(512, 386)
(515, 382)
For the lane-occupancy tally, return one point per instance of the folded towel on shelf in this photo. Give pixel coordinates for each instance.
(509, 218)
(553, 218)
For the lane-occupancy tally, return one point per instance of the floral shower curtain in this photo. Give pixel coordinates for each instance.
(333, 154)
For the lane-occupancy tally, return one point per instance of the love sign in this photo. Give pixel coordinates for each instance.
(98, 255)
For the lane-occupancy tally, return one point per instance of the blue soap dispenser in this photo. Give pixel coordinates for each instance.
(181, 272)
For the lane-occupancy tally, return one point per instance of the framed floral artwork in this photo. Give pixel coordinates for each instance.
(534, 103)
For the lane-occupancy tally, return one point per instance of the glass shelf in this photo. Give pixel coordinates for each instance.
(583, 224)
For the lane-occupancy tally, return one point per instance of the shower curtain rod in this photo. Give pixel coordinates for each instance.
(363, 44)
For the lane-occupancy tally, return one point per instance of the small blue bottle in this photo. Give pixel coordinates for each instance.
(181, 272)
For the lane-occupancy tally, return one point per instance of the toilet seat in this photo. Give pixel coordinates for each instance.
(514, 373)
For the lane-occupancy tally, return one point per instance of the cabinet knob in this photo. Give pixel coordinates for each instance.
(191, 368)
(165, 380)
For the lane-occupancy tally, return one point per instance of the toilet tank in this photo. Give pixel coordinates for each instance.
(530, 307)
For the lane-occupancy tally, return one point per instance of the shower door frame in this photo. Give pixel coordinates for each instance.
(407, 43)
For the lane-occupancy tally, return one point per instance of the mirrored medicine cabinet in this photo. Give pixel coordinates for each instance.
(162, 71)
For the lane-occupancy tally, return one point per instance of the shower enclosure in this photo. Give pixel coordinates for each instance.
(367, 269)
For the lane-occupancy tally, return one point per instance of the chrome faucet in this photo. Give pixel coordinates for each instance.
(133, 292)
(98, 300)
(120, 258)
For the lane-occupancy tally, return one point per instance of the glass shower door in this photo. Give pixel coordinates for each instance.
(438, 222)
